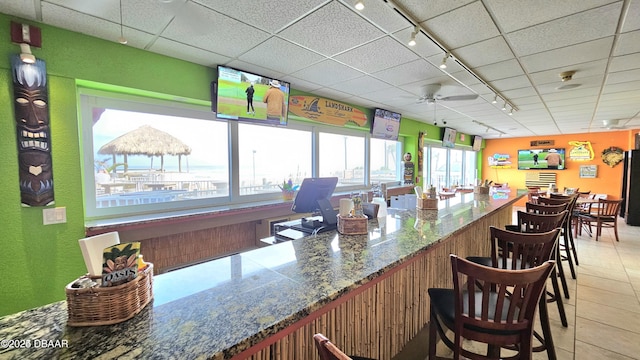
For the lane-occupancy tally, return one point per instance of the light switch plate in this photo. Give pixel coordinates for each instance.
(56, 215)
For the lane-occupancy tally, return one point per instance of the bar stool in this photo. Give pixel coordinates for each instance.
(524, 250)
(500, 314)
(568, 244)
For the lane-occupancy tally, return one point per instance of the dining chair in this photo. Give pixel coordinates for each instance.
(537, 223)
(329, 351)
(567, 246)
(606, 216)
(516, 251)
(499, 314)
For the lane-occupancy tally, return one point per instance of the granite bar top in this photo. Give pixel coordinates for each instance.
(217, 309)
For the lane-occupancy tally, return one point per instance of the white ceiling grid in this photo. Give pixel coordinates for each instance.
(516, 48)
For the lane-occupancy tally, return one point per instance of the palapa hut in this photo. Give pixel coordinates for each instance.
(148, 141)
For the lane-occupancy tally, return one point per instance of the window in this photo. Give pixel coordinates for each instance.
(385, 166)
(270, 155)
(143, 154)
(445, 168)
(342, 156)
(149, 156)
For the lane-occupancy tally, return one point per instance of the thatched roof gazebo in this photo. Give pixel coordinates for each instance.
(148, 141)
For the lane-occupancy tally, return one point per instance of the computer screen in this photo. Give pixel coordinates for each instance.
(311, 191)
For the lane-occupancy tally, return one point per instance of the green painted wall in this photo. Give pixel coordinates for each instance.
(37, 261)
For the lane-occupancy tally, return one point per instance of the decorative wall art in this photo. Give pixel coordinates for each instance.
(612, 156)
(420, 151)
(588, 171)
(580, 151)
(31, 105)
(409, 169)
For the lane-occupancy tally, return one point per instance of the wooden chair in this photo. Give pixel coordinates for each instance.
(606, 216)
(328, 351)
(502, 312)
(537, 223)
(567, 245)
(524, 250)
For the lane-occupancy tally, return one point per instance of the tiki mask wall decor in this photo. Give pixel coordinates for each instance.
(31, 105)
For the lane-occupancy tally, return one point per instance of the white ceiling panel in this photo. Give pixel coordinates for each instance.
(515, 49)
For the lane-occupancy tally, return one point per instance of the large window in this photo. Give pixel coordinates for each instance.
(385, 166)
(269, 156)
(342, 156)
(449, 167)
(147, 156)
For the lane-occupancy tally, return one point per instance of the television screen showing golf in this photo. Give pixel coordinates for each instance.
(244, 96)
(530, 159)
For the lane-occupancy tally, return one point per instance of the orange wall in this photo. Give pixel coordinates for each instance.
(608, 180)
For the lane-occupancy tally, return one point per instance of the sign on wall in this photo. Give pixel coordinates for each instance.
(588, 171)
(580, 151)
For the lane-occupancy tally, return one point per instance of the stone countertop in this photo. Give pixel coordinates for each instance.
(219, 308)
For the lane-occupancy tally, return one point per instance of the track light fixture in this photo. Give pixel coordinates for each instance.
(511, 111)
(495, 100)
(412, 40)
(444, 61)
(504, 107)
(359, 5)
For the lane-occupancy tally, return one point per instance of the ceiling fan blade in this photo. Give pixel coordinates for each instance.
(459, 97)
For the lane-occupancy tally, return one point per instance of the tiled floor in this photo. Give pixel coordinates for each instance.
(604, 307)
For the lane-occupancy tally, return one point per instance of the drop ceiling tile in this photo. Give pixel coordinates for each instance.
(105, 9)
(383, 16)
(263, 14)
(151, 17)
(340, 27)
(628, 88)
(417, 70)
(517, 93)
(327, 73)
(377, 55)
(187, 53)
(566, 31)
(632, 20)
(302, 85)
(623, 76)
(271, 55)
(23, 9)
(628, 43)
(361, 85)
(333, 94)
(466, 32)
(519, 14)
(436, 7)
(511, 83)
(500, 70)
(218, 33)
(486, 52)
(259, 70)
(625, 62)
(590, 51)
(79, 22)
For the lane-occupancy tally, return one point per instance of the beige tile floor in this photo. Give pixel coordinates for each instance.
(603, 311)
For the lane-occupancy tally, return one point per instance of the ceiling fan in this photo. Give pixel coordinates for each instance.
(430, 95)
(612, 124)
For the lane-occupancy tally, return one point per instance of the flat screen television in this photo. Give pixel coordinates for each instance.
(531, 159)
(449, 137)
(477, 143)
(230, 96)
(385, 124)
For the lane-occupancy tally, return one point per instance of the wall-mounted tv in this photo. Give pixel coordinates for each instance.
(239, 95)
(449, 137)
(385, 125)
(477, 143)
(531, 159)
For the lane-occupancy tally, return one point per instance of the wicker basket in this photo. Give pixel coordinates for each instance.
(481, 190)
(427, 204)
(352, 225)
(109, 305)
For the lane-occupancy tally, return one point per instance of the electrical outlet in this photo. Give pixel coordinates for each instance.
(54, 216)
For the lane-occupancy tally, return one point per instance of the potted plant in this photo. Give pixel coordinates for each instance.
(288, 190)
